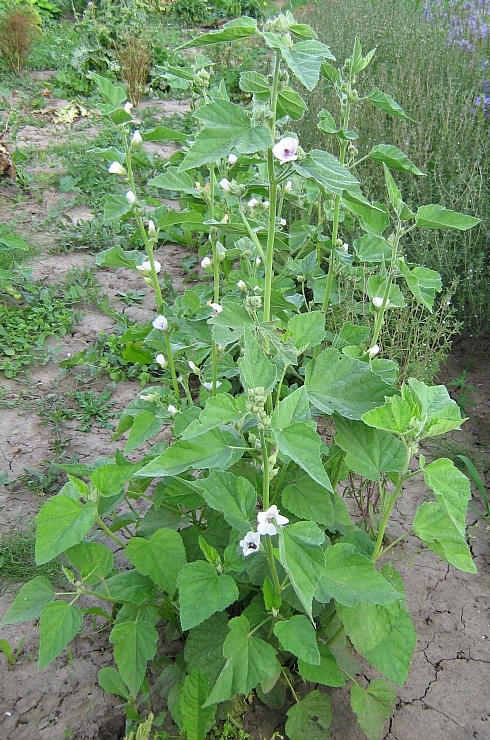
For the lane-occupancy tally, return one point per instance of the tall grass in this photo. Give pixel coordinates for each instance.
(436, 84)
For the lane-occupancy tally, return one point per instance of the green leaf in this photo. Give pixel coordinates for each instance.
(249, 661)
(385, 103)
(110, 681)
(30, 601)
(115, 206)
(422, 283)
(255, 83)
(305, 59)
(109, 479)
(308, 500)
(203, 592)
(373, 217)
(302, 444)
(307, 329)
(373, 706)
(172, 179)
(113, 94)
(326, 672)
(370, 452)
(437, 217)
(256, 371)
(59, 623)
(335, 382)
(61, 523)
(161, 557)
(310, 718)
(451, 489)
(210, 450)
(135, 643)
(327, 171)
(291, 409)
(239, 28)
(13, 241)
(117, 257)
(383, 634)
(162, 133)
(376, 286)
(196, 720)
(227, 127)
(394, 158)
(92, 559)
(290, 103)
(144, 426)
(437, 530)
(303, 559)
(350, 577)
(229, 325)
(233, 496)
(220, 410)
(370, 248)
(436, 409)
(204, 646)
(298, 636)
(395, 416)
(128, 586)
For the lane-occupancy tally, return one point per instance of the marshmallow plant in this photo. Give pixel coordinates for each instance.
(245, 549)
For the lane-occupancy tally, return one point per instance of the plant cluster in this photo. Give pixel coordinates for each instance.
(19, 29)
(236, 536)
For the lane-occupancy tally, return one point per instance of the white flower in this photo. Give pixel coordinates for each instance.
(288, 186)
(193, 367)
(137, 139)
(146, 266)
(232, 158)
(160, 359)
(258, 261)
(131, 197)
(128, 107)
(117, 169)
(345, 247)
(265, 521)
(209, 386)
(377, 301)
(283, 222)
(242, 285)
(206, 262)
(172, 410)
(252, 203)
(225, 184)
(266, 204)
(151, 228)
(285, 150)
(250, 543)
(216, 307)
(160, 323)
(373, 351)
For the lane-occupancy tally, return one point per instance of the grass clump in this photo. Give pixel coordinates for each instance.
(19, 29)
(447, 140)
(17, 559)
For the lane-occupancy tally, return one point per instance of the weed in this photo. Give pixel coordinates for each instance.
(17, 558)
(463, 391)
(19, 28)
(130, 297)
(94, 409)
(134, 56)
(11, 654)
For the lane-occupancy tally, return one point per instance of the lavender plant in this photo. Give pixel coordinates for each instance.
(247, 551)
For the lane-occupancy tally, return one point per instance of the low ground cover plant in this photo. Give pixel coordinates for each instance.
(245, 548)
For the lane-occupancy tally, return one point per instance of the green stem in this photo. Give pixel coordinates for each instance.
(253, 236)
(265, 471)
(171, 365)
(388, 508)
(296, 697)
(379, 318)
(214, 251)
(108, 532)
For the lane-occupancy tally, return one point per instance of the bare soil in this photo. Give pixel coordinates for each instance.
(447, 695)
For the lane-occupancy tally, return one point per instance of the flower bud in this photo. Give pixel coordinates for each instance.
(377, 301)
(206, 262)
(137, 139)
(373, 351)
(288, 186)
(160, 360)
(258, 261)
(225, 184)
(172, 410)
(152, 232)
(128, 107)
(242, 285)
(117, 169)
(131, 197)
(216, 307)
(232, 159)
(282, 222)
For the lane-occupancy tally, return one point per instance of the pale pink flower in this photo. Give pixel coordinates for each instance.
(285, 150)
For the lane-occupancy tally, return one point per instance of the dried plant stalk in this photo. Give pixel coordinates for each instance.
(19, 28)
(135, 57)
